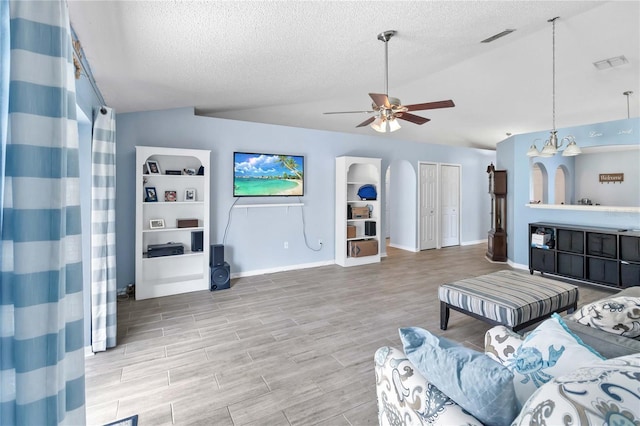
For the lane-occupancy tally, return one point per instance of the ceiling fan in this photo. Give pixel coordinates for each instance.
(387, 109)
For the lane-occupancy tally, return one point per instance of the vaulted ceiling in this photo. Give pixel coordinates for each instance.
(287, 62)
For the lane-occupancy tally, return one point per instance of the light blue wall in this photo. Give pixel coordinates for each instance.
(255, 237)
(511, 155)
(403, 192)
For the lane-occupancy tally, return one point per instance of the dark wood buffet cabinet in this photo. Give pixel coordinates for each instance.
(596, 255)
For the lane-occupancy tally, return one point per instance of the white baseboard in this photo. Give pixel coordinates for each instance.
(88, 351)
(473, 243)
(411, 249)
(281, 269)
(517, 265)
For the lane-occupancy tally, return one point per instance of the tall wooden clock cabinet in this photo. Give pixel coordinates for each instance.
(497, 238)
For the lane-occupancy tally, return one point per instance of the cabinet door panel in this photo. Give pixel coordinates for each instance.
(543, 260)
(571, 265)
(601, 270)
(629, 274)
(630, 248)
(571, 241)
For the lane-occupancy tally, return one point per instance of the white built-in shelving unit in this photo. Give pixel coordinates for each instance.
(182, 273)
(351, 174)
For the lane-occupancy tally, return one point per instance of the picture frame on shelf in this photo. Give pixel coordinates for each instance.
(156, 224)
(150, 194)
(153, 167)
(170, 196)
(190, 194)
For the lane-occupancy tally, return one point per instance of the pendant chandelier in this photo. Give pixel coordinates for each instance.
(551, 145)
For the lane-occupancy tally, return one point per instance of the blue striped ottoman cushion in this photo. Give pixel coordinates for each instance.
(509, 297)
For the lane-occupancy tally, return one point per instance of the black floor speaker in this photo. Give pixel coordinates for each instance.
(220, 277)
(216, 256)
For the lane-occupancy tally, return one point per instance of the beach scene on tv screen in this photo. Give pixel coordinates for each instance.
(264, 175)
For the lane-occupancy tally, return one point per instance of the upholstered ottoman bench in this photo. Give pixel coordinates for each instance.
(513, 299)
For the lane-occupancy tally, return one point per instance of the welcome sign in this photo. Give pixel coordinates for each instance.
(611, 177)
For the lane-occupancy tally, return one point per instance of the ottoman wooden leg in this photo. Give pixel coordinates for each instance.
(444, 315)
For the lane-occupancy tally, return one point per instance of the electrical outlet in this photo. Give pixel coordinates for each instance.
(286, 244)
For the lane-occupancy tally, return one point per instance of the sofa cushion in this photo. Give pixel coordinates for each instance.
(547, 352)
(608, 345)
(500, 343)
(480, 385)
(617, 315)
(605, 392)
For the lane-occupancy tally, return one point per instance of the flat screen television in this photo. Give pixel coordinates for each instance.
(267, 175)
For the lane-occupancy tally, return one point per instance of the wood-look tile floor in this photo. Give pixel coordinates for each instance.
(289, 348)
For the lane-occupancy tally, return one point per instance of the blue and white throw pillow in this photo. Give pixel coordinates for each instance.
(604, 393)
(477, 383)
(551, 350)
(618, 315)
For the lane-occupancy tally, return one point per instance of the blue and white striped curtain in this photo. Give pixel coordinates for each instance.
(103, 231)
(41, 312)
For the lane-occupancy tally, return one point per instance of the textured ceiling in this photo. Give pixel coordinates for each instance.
(287, 62)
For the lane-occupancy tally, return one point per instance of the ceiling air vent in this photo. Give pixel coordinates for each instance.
(497, 36)
(611, 62)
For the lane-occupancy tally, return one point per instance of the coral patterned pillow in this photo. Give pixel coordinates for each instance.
(617, 315)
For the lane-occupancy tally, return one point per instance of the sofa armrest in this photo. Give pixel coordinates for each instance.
(406, 397)
(500, 343)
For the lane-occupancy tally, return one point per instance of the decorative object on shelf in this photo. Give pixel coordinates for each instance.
(156, 223)
(151, 194)
(360, 212)
(611, 177)
(153, 167)
(190, 194)
(187, 223)
(367, 192)
(189, 171)
(173, 172)
(170, 196)
(201, 171)
(551, 145)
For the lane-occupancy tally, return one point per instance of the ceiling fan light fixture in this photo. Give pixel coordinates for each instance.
(393, 125)
(379, 125)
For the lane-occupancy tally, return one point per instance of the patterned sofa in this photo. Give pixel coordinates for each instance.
(580, 388)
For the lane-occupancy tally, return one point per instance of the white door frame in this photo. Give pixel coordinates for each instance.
(437, 198)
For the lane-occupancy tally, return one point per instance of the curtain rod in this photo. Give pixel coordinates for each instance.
(79, 59)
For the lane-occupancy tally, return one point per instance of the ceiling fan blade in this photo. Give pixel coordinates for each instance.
(412, 118)
(380, 99)
(366, 122)
(348, 112)
(430, 105)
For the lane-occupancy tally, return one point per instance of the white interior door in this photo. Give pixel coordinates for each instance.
(428, 206)
(450, 205)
